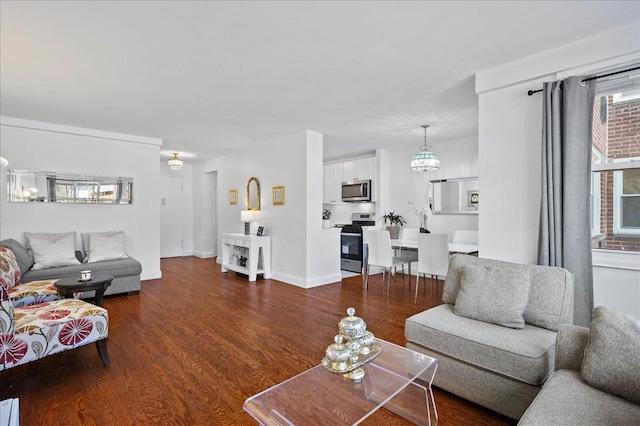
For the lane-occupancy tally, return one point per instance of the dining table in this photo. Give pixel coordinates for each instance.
(453, 247)
(411, 245)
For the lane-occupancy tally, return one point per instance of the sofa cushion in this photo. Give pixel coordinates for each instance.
(33, 292)
(550, 294)
(566, 399)
(526, 354)
(612, 356)
(20, 252)
(118, 268)
(51, 254)
(495, 295)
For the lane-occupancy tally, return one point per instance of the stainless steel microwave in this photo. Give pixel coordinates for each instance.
(356, 191)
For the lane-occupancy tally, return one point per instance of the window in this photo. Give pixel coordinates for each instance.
(615, 182)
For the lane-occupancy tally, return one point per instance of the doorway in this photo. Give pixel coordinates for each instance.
(171, 217)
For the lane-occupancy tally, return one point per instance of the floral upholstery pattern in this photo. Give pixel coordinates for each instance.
(23, 294)
(35, 331)
(10, 274)
(33, 292)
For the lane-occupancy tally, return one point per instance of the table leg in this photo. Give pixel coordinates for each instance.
(99, 295)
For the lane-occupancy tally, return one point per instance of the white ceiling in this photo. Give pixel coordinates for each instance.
(208, 77)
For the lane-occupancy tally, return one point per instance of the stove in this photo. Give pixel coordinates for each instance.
(351, 247)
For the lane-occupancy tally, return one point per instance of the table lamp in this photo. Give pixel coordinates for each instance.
(246, 216)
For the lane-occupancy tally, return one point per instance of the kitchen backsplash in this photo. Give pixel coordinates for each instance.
(341, 213)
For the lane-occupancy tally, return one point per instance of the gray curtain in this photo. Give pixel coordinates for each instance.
(565, 229)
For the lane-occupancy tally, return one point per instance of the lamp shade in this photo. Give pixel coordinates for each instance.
(246, 215)
(174, 162)
(425, 161)
(3, 162)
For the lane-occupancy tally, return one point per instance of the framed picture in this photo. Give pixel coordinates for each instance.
(278, 195)
(260, 231)
(233, 196)
(473, 199)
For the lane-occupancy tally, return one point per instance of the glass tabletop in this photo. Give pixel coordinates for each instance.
(319, 397)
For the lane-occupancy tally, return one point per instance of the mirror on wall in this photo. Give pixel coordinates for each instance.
(455, 196)
(253, 194)
(28, 186)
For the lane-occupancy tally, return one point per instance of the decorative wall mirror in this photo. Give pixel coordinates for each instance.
(253, 194)
(455, 196)
(27, 186)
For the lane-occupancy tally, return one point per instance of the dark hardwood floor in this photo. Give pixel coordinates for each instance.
(191, 347)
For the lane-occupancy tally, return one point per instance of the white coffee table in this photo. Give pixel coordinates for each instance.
(319, 397)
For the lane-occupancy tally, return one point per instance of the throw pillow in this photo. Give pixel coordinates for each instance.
(495, 295)
(20, 252)
(48, 236)
(9, 270)
(86, 237)
(104, 247)
(48, 254)
(612, 357)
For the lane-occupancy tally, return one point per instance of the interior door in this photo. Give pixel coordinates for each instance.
(171, 220)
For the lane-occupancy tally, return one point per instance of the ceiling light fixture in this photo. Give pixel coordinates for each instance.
(174, 162)
(425, 160)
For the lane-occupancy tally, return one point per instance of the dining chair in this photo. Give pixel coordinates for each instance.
(408, 235)
(433, 258)
(465, 237)
(381, 255)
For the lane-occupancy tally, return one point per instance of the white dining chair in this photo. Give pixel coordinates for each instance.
(465, 237)
(433, 258)
(381, 255)
(408, 235)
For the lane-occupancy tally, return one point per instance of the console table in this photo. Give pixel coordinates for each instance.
(247, 254)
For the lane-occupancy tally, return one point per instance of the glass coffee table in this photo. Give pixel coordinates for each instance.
(319, 397)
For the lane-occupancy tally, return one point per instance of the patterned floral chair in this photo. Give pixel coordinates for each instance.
(32, 332)
(23, 294)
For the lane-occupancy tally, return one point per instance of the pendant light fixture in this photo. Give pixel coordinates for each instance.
(425, 160)
(174, 162)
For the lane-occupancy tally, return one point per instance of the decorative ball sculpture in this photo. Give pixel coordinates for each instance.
(354, 347)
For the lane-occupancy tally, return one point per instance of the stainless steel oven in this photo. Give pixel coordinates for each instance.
(351, 244)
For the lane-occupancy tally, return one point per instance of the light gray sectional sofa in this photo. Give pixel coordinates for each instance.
(495, 334)
(597, 377)
(126, 272)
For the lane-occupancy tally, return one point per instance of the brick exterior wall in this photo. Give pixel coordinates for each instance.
(621, 141)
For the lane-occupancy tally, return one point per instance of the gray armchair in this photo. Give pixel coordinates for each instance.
(495, 334)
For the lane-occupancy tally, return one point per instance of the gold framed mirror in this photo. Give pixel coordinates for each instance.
(253, 194)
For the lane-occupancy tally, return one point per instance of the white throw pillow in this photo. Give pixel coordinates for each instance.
(106, 247)
(50, 254)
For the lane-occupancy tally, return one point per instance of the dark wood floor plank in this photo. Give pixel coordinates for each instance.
(192, 346)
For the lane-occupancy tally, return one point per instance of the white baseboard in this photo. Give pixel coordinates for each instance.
(155, 275)
(204, 254)
(306, 282)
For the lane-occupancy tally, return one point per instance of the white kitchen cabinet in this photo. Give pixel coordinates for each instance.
(332, 181)
(359, 169)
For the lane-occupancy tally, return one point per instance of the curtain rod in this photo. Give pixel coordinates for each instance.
(531, 92)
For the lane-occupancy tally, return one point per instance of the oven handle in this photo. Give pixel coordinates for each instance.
(351, 235)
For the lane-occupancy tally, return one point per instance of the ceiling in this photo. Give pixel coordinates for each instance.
(210, 77)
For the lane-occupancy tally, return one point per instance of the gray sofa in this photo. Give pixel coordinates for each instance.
(497, 366)
(126, 272)
(568, 399)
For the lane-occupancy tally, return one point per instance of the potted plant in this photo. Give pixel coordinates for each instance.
(326, 216)
(395, 222)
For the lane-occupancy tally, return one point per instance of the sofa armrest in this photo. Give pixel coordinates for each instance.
(570, 345)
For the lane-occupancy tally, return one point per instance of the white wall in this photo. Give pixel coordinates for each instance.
(294, 162)
(51, 147)
(458, 158)
(510, 128)
(204, 211)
